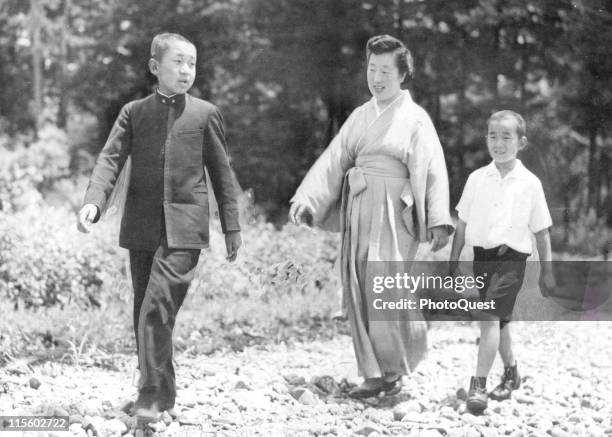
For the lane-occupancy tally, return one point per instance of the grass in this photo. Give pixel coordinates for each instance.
(207, 322)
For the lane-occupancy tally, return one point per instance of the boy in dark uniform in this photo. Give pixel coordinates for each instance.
(171, 137)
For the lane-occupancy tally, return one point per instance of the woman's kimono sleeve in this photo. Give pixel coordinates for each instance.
(321, 189)
(428, 178)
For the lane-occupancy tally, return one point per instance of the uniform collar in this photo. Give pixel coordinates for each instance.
(175, 100)
(516, 172)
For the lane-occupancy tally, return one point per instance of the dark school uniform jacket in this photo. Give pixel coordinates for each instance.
(170, 140)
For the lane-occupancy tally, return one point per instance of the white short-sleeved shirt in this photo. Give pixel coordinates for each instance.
(503, 211)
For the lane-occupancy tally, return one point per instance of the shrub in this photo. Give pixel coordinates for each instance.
(586, 235)
(29, 170)
(45, 261)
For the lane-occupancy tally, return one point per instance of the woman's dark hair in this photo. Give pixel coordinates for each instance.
(388, 44)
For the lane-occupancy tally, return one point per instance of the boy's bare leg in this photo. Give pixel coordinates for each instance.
(505, 346)
(487, 349)
(489, 343)
(511, 379)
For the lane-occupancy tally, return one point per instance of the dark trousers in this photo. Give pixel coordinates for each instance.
(503, 272)
(160, 280)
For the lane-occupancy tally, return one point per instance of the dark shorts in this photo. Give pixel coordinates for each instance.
(503, 277)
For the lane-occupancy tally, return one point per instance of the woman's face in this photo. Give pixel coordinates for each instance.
(384, 78)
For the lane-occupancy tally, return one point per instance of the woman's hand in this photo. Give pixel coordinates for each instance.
(300, 213)
(438, 236)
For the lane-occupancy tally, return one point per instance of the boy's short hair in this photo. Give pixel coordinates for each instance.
(521, 126)
(388, 44)
(162, 41)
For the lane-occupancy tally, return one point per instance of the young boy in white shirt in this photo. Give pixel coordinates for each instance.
(501, 205)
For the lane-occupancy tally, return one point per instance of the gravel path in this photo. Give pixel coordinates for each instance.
(298, 390)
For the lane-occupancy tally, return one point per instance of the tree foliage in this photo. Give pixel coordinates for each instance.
(286, 74)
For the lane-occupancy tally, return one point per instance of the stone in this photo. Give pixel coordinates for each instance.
(404, 408)
(327, 384)
(558, 432)
(252, 399)
(522, 398)
(129, 421)
(158, 426)
(126, 406)
(575, 418)
(598, 416)
(228, 419)
(76, 430)
(462, 394)
(115, 427)
(595, 431)
(173, 429)
(578, 430)
(297, 392)
(470, 419)
(448, 413)
(472, 432)
(308, 398)
(414, 417)
(113, 414)
(430, 433)
(295, 380)
(35, 383)
(241, 385)
(368, 429)
(166, 418)
(456, 432)
(91, 408)
(75, 418)
(188, 399)
(189, 418)
(280, 388)
(486, 431)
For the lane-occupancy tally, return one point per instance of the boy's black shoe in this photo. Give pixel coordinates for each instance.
(477, 396)
(510, 381)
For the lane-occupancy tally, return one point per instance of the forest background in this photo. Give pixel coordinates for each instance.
(285, 74)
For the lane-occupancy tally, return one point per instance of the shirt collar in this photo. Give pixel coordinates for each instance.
(516, 172)
(174, 100)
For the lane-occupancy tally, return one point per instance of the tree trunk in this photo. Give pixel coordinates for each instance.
(523, 74)
(399, 23)
(35, 20)
(493, 80)
(62, 110)
(593, 176)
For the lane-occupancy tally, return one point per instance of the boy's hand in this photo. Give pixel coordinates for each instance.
(300, 213)
(547, 281)
(452, 267)
(233, 241)
(87, 214)
(438, 237)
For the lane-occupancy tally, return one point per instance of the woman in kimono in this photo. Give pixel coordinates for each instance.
(384, 174)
